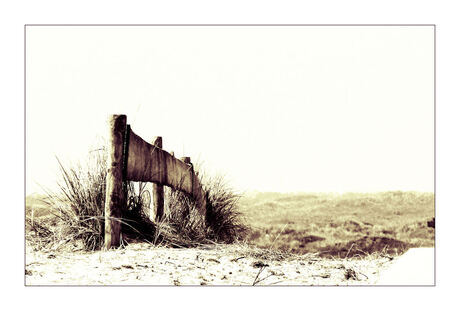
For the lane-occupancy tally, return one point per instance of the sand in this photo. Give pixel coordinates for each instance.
(145, 264)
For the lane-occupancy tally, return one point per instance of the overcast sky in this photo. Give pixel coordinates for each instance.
(283, 109)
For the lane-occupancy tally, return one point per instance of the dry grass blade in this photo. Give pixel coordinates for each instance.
(256, 279)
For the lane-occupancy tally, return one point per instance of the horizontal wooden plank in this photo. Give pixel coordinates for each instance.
(149, 163)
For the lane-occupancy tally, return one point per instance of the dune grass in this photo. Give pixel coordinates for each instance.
(74, 215)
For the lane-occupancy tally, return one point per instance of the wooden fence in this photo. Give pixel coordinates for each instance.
(130, 158)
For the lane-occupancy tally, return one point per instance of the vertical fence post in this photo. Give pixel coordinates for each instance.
(187, 160)
(157, 190)
(114, 195)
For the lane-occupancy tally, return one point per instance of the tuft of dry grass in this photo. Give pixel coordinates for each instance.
(75, 211)
(223, 217)
(222, 222)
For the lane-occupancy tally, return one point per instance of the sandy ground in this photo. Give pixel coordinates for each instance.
(144, 264)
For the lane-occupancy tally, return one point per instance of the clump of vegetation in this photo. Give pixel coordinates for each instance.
(186, 226)
(222, 215)
(74, 215)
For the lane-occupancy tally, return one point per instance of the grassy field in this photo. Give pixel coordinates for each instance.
(352, 224)
(340, 225)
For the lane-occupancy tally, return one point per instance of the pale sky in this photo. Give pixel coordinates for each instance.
(283, 109)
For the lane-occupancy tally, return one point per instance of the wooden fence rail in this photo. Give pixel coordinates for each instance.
(130, 158)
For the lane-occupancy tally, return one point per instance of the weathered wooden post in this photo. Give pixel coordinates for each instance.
(115, 195)
(187, 160)
(157, 190)
(195, 187)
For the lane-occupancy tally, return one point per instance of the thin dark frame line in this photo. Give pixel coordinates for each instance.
(25, 144)
(232, 25)
(434, 125)
(249, 286)
(354, 25)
